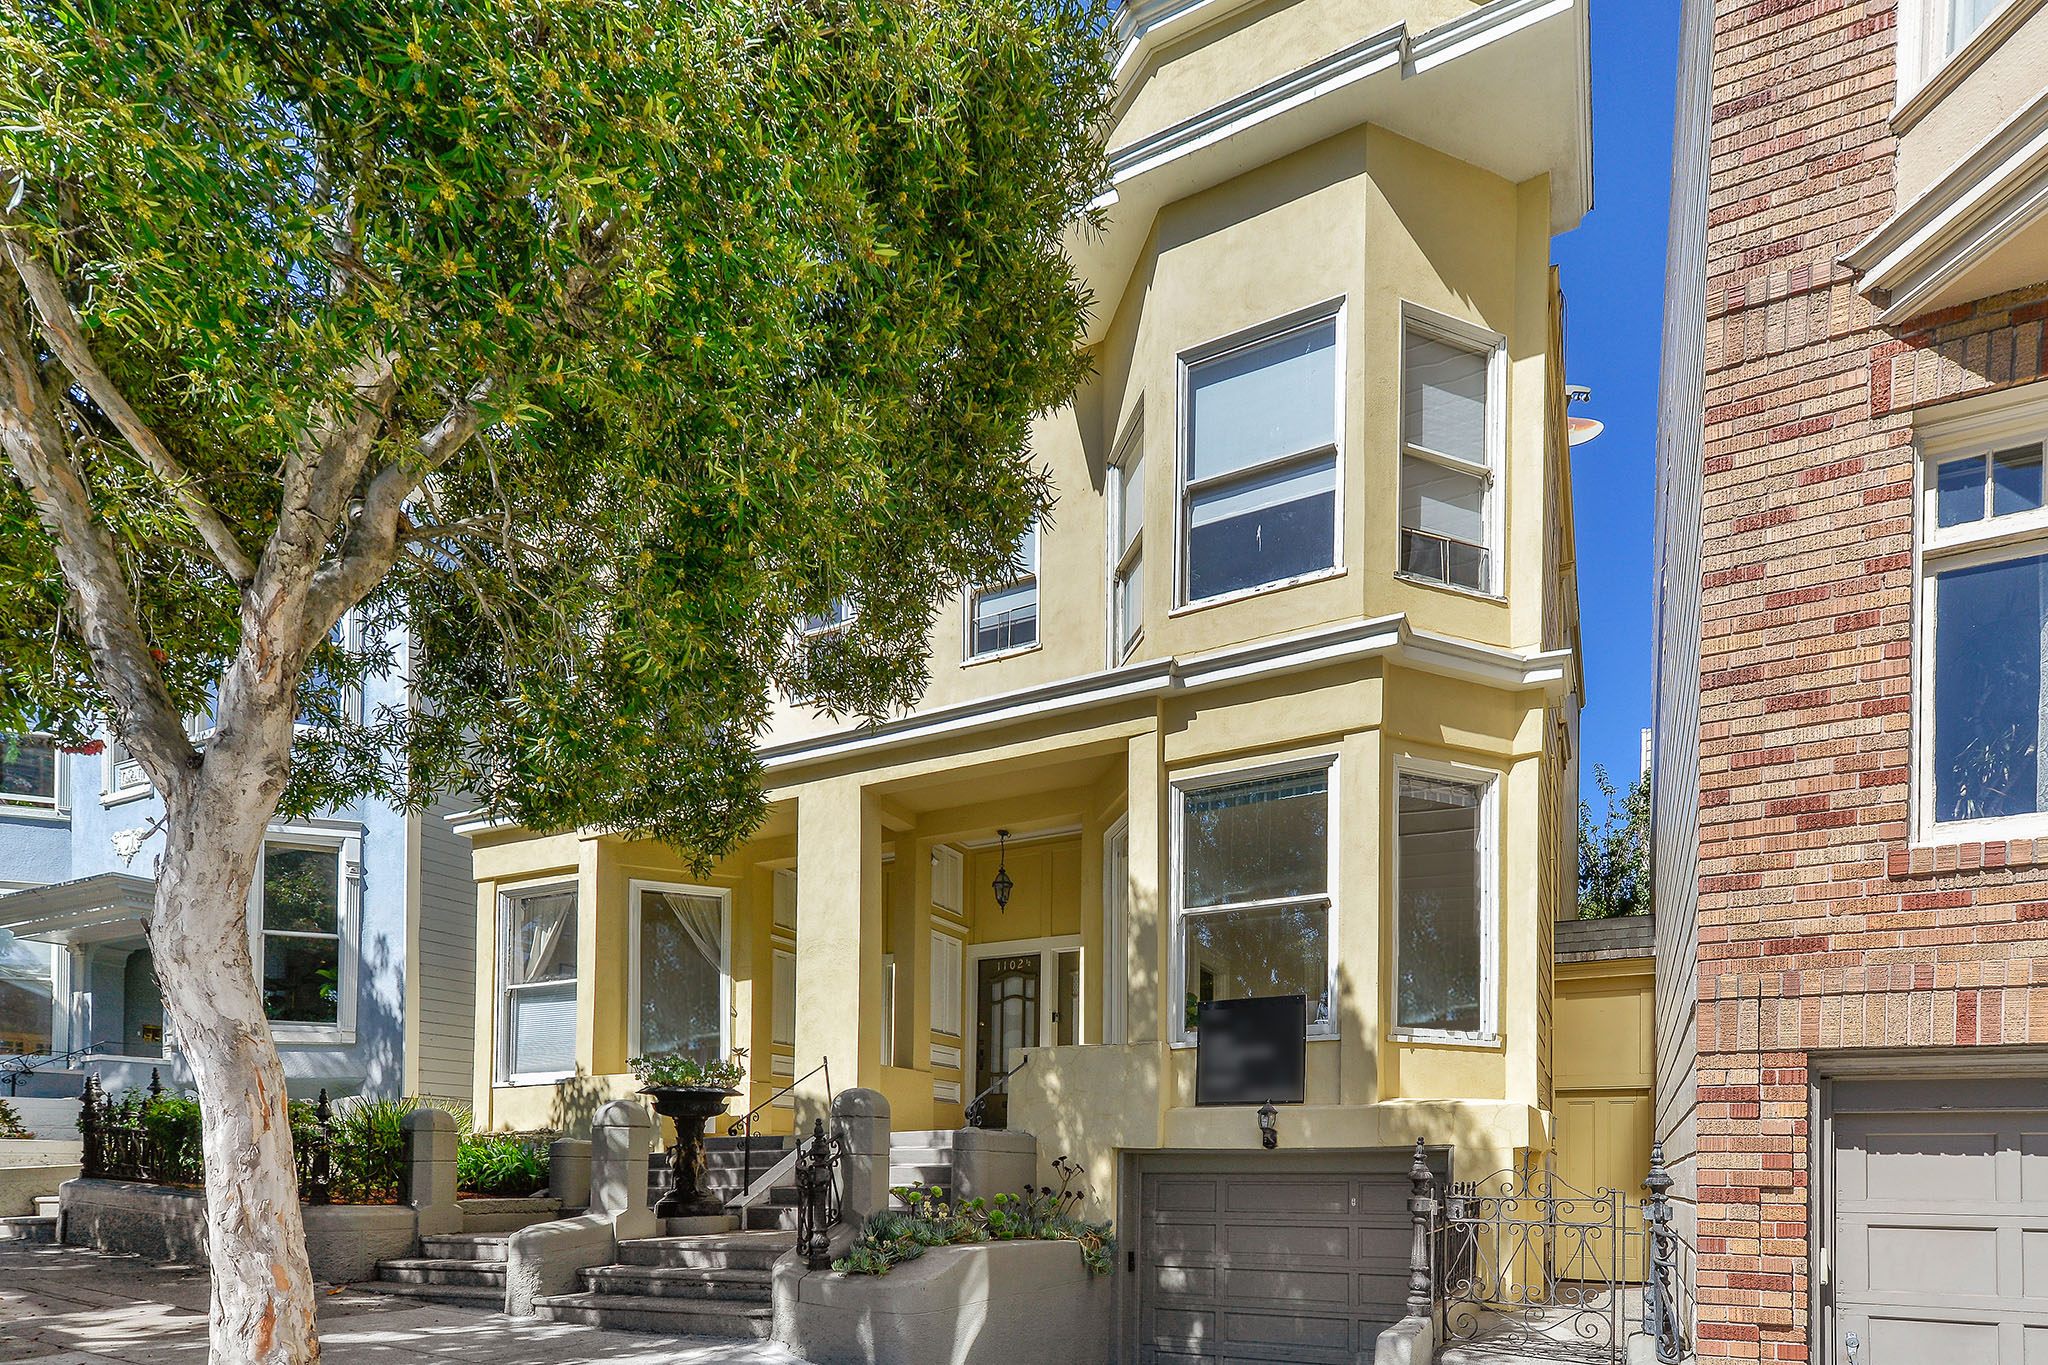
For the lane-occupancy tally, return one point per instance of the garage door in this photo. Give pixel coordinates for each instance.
(1940, 1229)
(1251, 1264)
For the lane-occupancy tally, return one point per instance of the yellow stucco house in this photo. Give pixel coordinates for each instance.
(1286, 705)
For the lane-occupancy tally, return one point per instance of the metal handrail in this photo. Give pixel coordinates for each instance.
(743, 1126)
(28, 1063)
(975, 1110)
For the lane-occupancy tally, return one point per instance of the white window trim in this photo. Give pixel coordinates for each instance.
(1471, 337)
(1330, 311)
(1488, 781)
(348, 922)
(833, 627)
(58, 805)
(351, 697)
(2016, 417)
(111, 794)
(1131, 446)
(975, 590)
(501, 1068)
(635, 889)
(1924, 60)
(1176, 993)
(1047, 951)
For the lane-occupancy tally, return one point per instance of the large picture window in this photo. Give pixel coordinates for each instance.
(1259, 475)
(28, 770)
(1443, 952)
(299, 904)
(680, 979)
(1984, 599)
(537, 984)
(27, 996)
(1254, 892)
(1003, 617)
(1447, 460)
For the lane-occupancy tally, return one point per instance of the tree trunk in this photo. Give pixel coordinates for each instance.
(262, 1286)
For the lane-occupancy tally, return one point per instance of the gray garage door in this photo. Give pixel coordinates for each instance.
(1247, 1264)
(1940, 1236)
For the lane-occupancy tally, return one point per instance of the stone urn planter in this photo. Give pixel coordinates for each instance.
(688, 1106)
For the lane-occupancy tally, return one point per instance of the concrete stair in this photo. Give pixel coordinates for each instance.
(921, 1157)
(466, 1270)
(725, 1174)
(713, 1285)
(39, 1227)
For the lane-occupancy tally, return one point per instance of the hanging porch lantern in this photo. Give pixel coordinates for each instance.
(1002, 885)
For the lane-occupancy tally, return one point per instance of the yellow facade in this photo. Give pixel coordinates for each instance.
(876, 862)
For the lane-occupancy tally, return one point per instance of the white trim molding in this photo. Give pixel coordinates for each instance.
(1986, 200)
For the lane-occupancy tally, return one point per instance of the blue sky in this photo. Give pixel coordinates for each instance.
(1613, 277)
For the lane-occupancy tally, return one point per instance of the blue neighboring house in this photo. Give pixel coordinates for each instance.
(363, 924)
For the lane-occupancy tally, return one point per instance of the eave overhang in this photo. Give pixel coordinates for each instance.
(1506, 88)
(107, 905)
(1979, 230)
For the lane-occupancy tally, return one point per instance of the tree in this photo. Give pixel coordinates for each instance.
(1614, 855)
(592, 343)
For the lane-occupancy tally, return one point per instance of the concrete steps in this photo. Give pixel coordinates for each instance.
(459, 1269)
(716, 1285)
(39, 1229)
(922, 1157)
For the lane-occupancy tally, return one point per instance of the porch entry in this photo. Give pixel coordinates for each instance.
(1027, 993)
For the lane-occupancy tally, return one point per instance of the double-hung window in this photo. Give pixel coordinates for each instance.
(1003, 617)
(681, 982)
(1127, 547)
(28, 770)
(537, 984)
(1258, 496)
(1984, 628)
(1443, 935)
(1448, 378)
(1253, 892)
(300, 906)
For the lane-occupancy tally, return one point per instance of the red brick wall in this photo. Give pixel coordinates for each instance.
(1820, 927)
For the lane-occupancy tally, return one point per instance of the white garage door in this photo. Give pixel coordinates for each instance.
(1269, 1262)
(1940, 1228)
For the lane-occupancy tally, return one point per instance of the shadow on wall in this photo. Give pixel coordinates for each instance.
(578, 1099)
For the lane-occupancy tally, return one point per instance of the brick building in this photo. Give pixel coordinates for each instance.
(1851, 837)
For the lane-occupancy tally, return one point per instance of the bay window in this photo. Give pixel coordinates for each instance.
(680, 978)
(1127, 547)
(1258, 497)
(1443, 934)
(28, 770)
(1253, 896)
(537, 985)
(299, 906)
(1003, 617)
(1447, 455)
(1984, 637)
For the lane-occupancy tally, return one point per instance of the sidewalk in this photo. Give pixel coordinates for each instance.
(63, 1306)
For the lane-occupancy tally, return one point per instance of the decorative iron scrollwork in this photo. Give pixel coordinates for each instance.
(817, 1195)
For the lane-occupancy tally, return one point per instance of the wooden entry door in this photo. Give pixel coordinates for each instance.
(1028, 997)
(1603, 1143)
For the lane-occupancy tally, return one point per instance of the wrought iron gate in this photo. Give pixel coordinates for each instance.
(1521, 1261)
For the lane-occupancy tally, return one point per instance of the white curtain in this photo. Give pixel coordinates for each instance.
(700, 918)
(549, 917)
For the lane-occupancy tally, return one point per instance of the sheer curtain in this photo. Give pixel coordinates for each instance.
(682, 971)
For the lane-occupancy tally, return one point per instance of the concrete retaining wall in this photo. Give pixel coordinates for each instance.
(505, 1215)
(20, 1185)
(37, 1152)
(992, 1303)
(992, 1161)
(344, 1242)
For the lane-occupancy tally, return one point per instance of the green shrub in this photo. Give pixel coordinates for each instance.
(670, 1068)
(368, 1155)
(1039, 1214)
(502, 1165)
(10, 1123)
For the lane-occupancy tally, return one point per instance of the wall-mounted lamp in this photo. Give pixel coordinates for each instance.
(1002, 884)
(1269, 1125)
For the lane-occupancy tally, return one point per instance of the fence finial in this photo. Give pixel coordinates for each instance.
(89, 1127)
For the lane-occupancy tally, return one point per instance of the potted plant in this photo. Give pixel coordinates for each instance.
(688, 1091)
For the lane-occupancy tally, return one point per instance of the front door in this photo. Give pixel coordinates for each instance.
(1012, 992)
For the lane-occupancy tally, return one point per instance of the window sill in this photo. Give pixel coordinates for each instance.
(998, 655)
(312, 1035)
(1963, 850)
(122, 798)
(1431, 1038)
(42, 815)
(1280, 585)
(537, 1079)
(1476, 594)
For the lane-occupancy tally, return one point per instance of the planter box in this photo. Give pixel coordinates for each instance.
(344, 1242)
(989, 1303)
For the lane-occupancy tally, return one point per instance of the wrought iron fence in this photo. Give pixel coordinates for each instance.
(156, 1139)
(1523, 1262)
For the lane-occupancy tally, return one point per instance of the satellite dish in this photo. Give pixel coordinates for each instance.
(1583, 429)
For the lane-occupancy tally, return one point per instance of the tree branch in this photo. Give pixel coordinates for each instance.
(95, 583)
(61, 328)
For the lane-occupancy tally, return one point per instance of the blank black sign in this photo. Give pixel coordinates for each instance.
(1251, 1051)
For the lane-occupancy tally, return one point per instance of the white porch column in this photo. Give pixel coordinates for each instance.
(839, 908)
